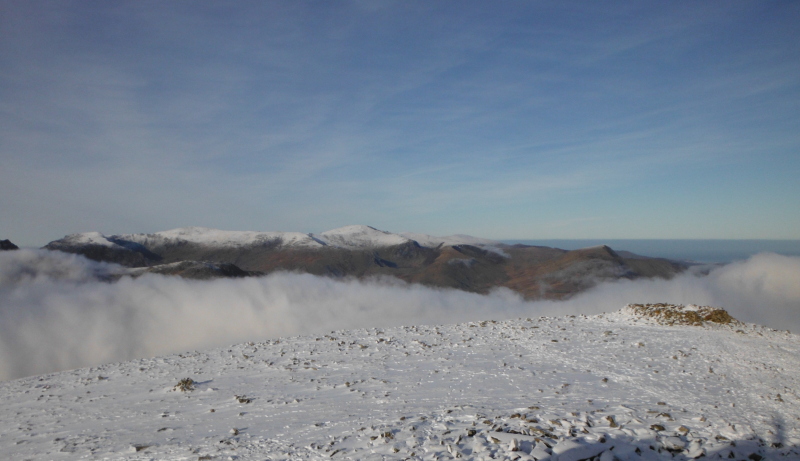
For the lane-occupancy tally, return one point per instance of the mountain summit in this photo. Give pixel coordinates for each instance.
(359, 237)
(7, 245)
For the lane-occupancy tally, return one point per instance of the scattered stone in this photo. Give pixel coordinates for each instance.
(185, 385)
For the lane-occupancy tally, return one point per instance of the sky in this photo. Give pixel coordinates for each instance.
(503, 120)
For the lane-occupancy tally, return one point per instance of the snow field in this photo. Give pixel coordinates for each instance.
(612, 386)
(348, 237)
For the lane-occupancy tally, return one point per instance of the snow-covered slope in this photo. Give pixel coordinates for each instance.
(222, 238)
(348, 237)
(432, 241)
(615, 386)
(89, 238)
(357, 237)
(196, 235)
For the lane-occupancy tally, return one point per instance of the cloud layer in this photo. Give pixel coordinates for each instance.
(55, 315)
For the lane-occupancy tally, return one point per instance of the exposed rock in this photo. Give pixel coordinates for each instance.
(185, 385)
(672, 314)
(6, 245)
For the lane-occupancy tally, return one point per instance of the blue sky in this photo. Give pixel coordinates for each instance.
(507, 120)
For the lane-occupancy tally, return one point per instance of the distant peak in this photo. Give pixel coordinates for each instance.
(88, 238)
(191, 230)
(355, 228)
(610, 251)
(450, 240)
(360, 236)
(7, 245)
(599, 248)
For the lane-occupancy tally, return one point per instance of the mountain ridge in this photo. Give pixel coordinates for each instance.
(458, 261)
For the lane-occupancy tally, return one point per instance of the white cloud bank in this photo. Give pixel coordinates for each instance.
(54, 315)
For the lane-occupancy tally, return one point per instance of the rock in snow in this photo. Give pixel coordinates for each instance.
(478, 390)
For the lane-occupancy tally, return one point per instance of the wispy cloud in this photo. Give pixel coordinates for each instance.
(301, 108)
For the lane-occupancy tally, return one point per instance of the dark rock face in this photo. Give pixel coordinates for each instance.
(6, 245)
(533, 272)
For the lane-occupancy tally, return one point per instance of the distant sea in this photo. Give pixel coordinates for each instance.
(704, 251)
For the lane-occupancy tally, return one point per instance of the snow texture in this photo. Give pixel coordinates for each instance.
(355, 237)
(222, 238)
(90, 238)
(450, 240)
(348, 237)
(603, 387)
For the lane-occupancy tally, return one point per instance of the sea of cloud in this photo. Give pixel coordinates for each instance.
(57, 313)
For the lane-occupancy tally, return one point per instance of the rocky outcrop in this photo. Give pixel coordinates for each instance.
(679, 314)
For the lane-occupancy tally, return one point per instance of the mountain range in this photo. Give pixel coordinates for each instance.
(458, 261)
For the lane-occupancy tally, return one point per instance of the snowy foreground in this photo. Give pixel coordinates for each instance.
(614, 386)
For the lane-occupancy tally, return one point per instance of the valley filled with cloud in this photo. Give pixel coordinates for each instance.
(60, 311)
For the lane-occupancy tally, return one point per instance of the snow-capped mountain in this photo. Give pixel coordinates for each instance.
(458, 261)
(359, 237)
(347, 237)
(450, 240)
(651, 382)
(220, 238)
